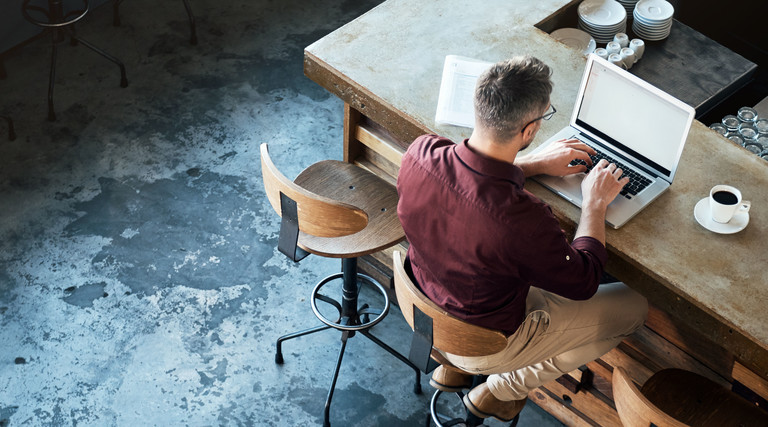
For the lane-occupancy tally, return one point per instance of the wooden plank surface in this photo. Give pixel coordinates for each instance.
(555, 406)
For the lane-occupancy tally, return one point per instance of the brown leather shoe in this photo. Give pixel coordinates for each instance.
(483, 404)
(450, 379)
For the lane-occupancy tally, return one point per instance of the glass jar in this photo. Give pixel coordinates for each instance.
(761, 125)
(754, 147)
(719, 128)
(731, 123)
(747, 114)
(747, 132)
(736, 139)
(763, 141)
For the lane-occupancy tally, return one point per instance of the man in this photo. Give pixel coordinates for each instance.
(491, 253)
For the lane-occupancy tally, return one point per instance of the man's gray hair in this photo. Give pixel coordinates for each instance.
(511, 93)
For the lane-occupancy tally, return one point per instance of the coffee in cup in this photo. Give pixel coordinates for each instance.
(725, 201)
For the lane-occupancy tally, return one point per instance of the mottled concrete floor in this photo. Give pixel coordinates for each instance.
(139, 279)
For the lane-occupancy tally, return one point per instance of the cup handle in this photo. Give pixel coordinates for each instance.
(745, 205)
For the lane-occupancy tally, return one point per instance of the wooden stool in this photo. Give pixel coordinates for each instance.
(676, 398)
(338, 210)
(435, 329)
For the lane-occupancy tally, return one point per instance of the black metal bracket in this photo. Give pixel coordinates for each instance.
(288, 241)
(575, 386)
(421, 342)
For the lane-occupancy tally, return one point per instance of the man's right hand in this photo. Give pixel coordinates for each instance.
(601, 185)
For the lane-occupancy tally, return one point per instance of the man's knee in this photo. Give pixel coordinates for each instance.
(637, 309)
(634, 307)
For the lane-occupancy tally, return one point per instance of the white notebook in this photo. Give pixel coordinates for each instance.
(455, 104)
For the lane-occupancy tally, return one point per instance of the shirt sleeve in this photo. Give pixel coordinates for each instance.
(572, 270)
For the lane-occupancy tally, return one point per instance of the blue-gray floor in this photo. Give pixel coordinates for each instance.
(139, 279)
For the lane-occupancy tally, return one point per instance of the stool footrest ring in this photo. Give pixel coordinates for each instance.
(55, 14)
(355, 324)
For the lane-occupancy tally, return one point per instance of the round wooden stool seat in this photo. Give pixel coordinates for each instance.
(697, 401)
(679, 398)
(355, 186)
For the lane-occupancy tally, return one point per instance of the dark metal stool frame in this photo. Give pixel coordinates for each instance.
(58, 23)
(351, 318)
(349, 321)
(192, 27)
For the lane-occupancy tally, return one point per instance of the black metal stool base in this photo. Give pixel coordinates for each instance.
(61, 24)
(351, 320)
(74, 41)
(469, 420)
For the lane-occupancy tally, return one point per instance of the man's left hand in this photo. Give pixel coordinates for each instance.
(556, 159)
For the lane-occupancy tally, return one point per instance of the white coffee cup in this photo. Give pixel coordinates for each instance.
(622, 39)
(628, 56)
(601, 52)
(616, 60)
(612, 47)
(639, 47)
(725, 201)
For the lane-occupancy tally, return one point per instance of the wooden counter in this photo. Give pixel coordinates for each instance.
(709, 292)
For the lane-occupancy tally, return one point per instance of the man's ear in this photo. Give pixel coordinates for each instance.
(529, 131)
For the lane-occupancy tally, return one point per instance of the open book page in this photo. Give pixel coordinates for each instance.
(455, 103)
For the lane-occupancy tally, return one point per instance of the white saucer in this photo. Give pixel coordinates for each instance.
(602, 12)
(736, 224)
(575, 38)
(655, 10)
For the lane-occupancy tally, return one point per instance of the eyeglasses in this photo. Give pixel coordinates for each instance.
(548, 115)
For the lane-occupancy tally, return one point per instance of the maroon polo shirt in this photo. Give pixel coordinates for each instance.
(479, 240)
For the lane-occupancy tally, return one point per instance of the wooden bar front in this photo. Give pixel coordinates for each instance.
(707, 291)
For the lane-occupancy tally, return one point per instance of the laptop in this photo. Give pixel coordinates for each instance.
(633, 124)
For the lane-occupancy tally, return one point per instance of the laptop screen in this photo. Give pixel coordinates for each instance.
(633, 116)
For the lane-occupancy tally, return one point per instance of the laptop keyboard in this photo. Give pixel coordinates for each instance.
(637, 182)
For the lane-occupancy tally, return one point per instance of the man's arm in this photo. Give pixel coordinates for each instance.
(556, 158)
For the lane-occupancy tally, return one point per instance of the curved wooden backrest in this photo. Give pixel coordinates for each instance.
(318, 215)
(634, 409)
(450, 334)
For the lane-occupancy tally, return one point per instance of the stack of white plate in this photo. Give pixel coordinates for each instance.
(653, 19)
(629, 5)
(602, 19)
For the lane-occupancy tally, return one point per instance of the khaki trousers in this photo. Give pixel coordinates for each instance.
(557, 336)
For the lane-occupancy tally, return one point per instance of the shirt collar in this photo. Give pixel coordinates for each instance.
(487, 166)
